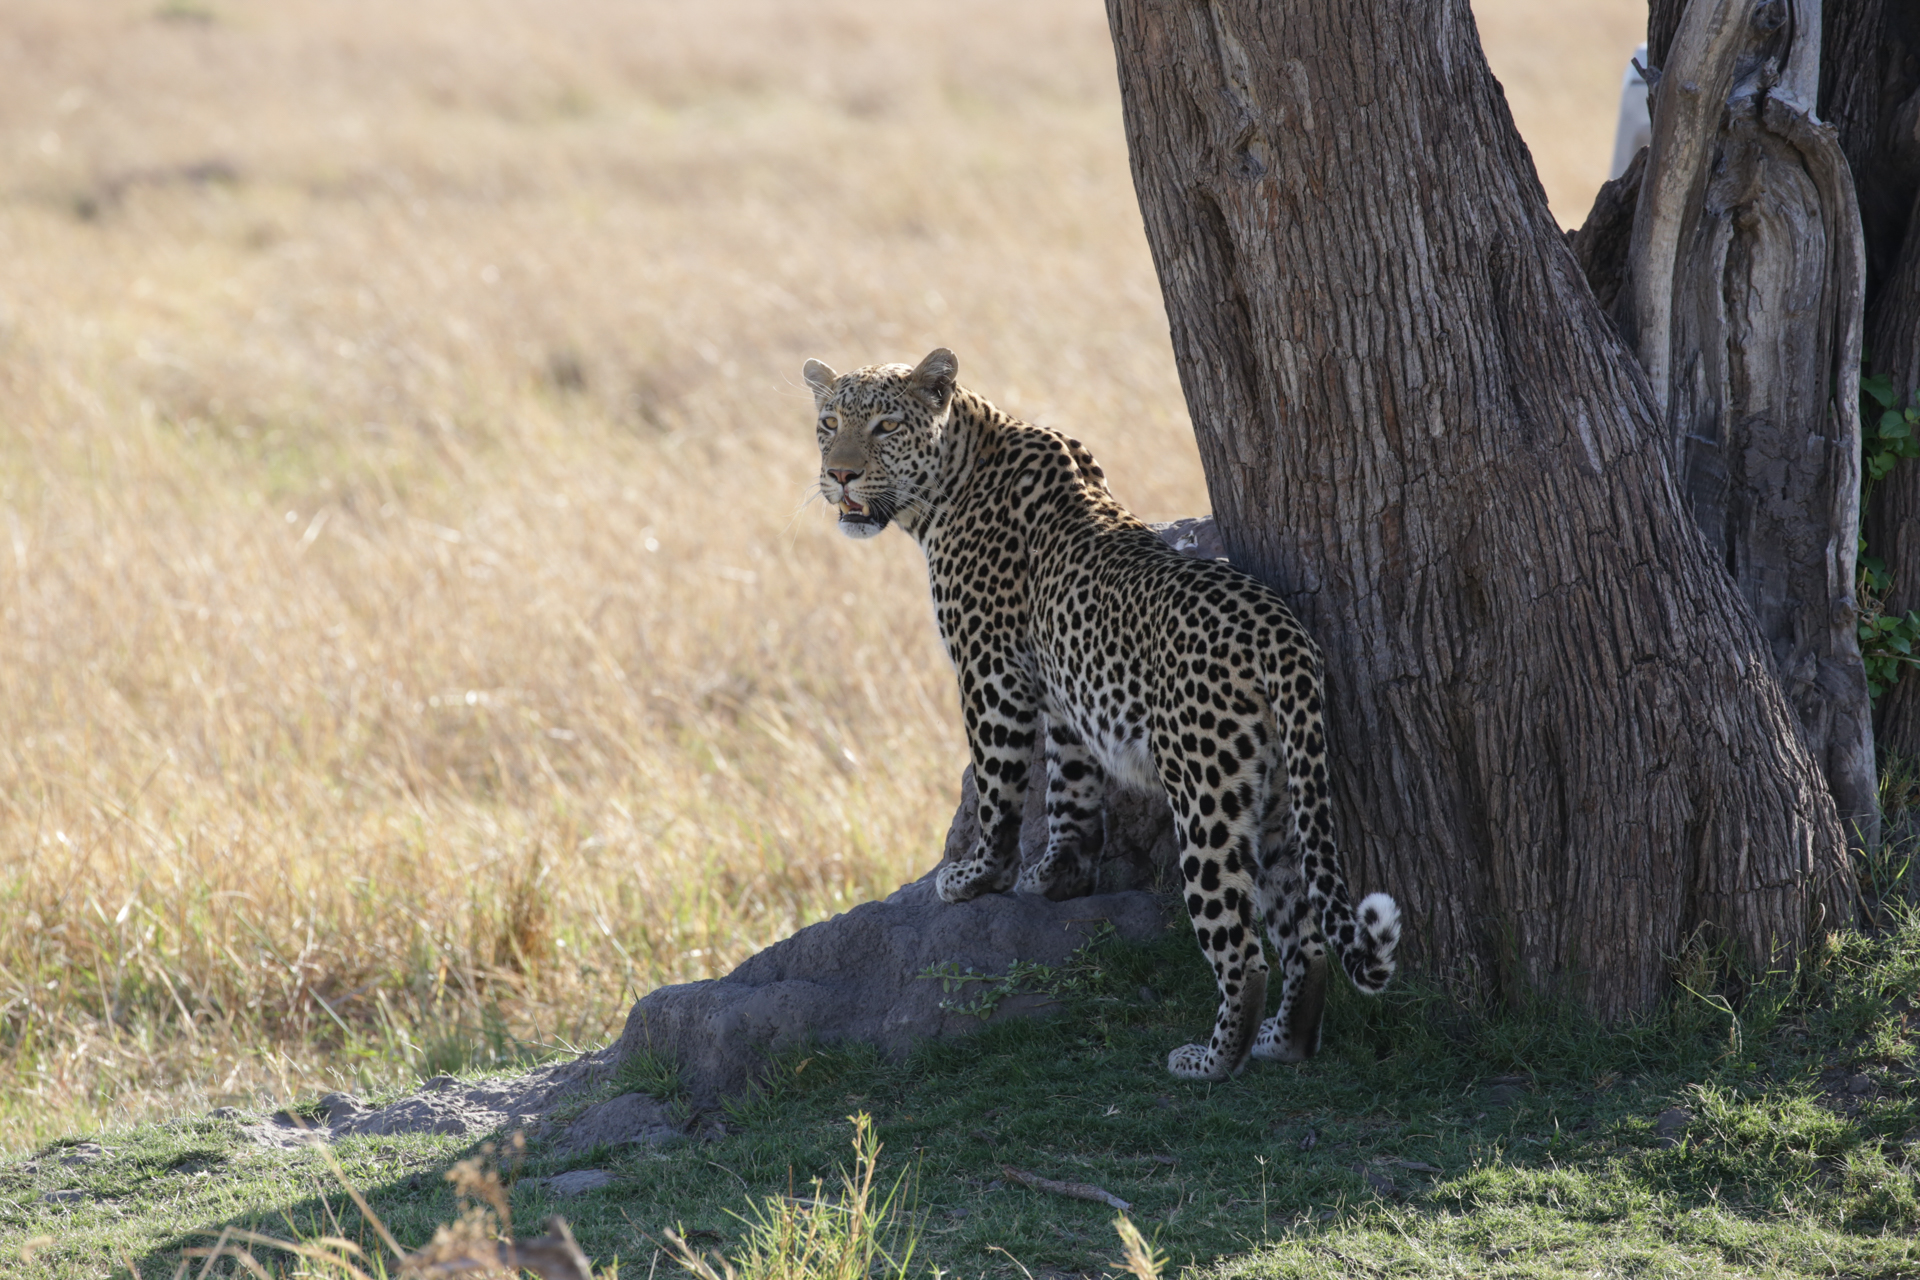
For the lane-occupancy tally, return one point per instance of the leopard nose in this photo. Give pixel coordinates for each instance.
(843, 478)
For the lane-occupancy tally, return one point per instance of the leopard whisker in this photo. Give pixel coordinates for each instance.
(816, 496)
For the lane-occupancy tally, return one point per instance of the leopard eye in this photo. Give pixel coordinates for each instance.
(886, 427)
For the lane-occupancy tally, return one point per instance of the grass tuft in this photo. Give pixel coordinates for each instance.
(811, 1237)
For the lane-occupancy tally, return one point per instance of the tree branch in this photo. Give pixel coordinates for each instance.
(1687, 107)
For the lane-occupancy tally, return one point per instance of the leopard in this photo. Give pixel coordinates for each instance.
(1069, 621)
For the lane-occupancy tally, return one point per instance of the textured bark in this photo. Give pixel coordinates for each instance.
(1746, 273)
(1557, 735)
(1604, 240)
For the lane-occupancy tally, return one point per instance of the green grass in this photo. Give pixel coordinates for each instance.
(1424, 1140)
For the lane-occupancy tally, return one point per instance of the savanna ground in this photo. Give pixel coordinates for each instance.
(1425, 1141)
(416, 639)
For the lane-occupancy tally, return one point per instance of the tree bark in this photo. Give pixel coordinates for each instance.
(1746, 272)
(1557, 736)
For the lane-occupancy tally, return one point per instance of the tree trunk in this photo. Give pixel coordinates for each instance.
(1869, 81)
(1745, 274)
(1556, 732)
(1743, 293)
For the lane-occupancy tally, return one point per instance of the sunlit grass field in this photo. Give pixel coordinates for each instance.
(416, 640)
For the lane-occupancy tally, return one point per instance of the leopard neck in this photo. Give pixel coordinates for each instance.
(971, 429)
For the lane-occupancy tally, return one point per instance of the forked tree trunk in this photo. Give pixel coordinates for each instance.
(1743, 301)
(1869, 89)
(1557, 736)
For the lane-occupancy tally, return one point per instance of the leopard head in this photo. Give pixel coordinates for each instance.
(879, 430)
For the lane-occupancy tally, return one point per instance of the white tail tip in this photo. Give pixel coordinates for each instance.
(1379, 915)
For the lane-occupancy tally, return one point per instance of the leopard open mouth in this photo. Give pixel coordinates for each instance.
(857, 521)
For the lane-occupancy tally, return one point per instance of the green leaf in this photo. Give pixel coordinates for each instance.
(1893, 426)
(1880, 387)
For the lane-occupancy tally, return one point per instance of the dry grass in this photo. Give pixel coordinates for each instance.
(414, 639)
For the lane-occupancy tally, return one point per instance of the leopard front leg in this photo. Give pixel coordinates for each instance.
(1216, 864)
(1002, 716)
(1076, 819)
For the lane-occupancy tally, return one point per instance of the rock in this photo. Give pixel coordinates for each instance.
(864, 976)
(1859, 1084)
(342, 1108)
(1670, 1125)
(445, 1105)
(427, 1113)
(576, 1181)
(62, 1197)
(631, 1117)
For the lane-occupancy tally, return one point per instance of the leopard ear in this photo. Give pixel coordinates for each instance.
(933, 377)
(821, 377)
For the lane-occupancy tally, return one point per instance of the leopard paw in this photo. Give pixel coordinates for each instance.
(1274, 1045)
(1056, 879)
(964, 881)
(1196, 1062)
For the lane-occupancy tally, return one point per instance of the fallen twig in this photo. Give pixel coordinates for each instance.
(1074, 1190)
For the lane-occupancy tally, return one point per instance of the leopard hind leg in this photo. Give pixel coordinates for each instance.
(1217, 865)
(1292, 1034)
